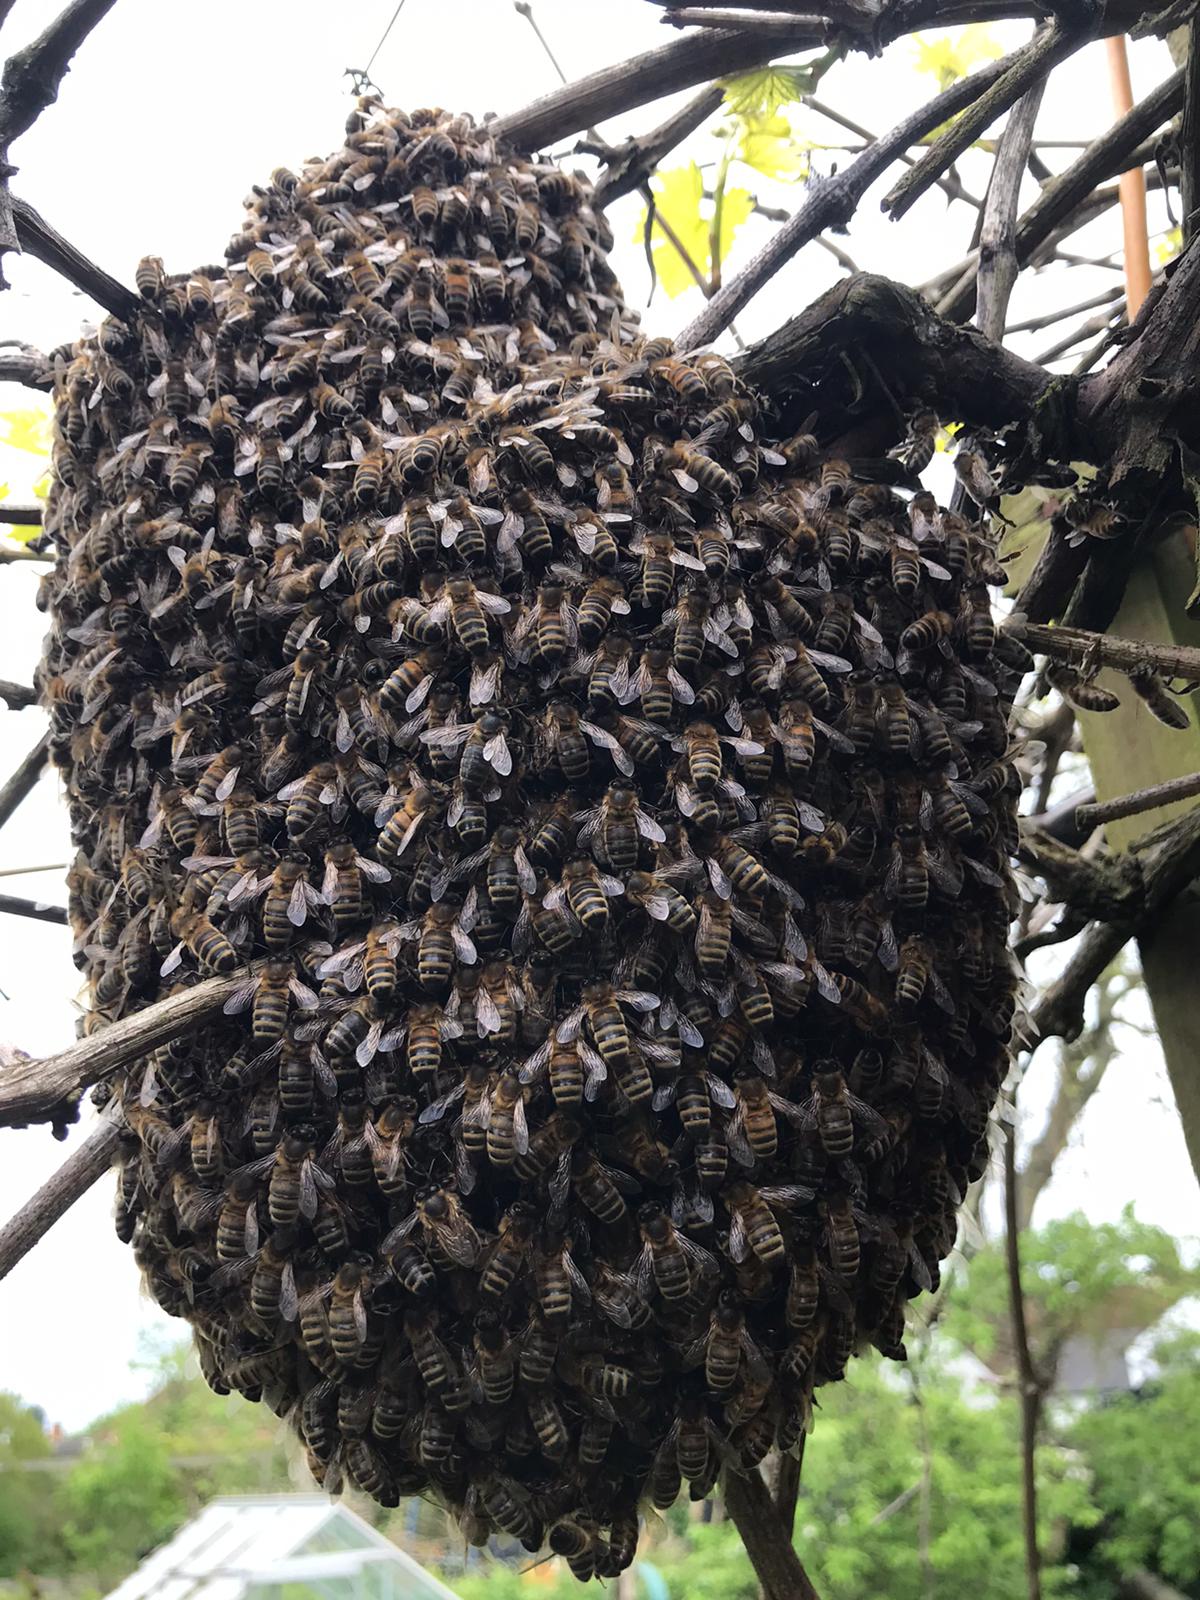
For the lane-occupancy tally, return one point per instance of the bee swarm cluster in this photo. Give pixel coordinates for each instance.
(609, 811)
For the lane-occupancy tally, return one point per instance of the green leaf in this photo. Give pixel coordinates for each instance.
(950, 56)
(761, 93)
(680, 204)
(1169, 246)
(28, 429)
(770, 146)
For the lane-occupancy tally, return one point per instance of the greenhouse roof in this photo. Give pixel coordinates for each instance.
(249, 1546)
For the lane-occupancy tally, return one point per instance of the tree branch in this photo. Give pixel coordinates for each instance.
(23, 779)
(1164, 862)
(1030, 1388)
(1097, 891)
(17, 696)
(1189, 138)
(36, 1091)
(696, 59)
(20, 516)
(1079, 645)
(998, 234)
(768, 1543)
(629, 165)
(1022, 70)
(1092, 816)
(829, 202)
(23, 364)
(11, 905)
(1062, 195)
(45, 244)
(82, 1168)
(28, 84)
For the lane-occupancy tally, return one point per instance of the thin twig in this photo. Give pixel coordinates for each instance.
(1104, 323)
(1154, 795)
(1189, 139)
(829, 202)
(42, 866)
(998, 233)
(40, 911)
(19, 552)
(82, 1168)
(949, 182)
(23, 779)
(1049, 318)
(1030, 1388)
(35, 1091)
(1022, 70)
(1063, 195)
(45, 244)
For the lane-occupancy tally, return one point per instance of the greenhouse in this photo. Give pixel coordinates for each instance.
(279, 1547)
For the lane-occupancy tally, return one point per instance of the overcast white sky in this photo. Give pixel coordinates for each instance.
(169, 114)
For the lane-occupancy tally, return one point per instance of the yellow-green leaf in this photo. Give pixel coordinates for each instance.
(950, 56)
(1169, 246)
(27, 429)
(770, 146)
(680, 204)
(42, 487)
(761, 92)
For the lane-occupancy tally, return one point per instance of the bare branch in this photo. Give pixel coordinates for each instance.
(829, 202)
(998, 233)
(1127, 655)
(1096, 890)
(43, 242)
(32, 76)
(20, 552)
(82, 1168)
(1023, 69)
(1062, 195)
(1049, 318)
(35, 1091)
(1092, 816)
(628, 166)
(23, 779)
(30, 83)
(23, 364)
(1030, 1387)
(39, 910)
(21, 516)
(768, 1543)
(17, 696)
(949, 182)
(691, 60)
(1189, 138)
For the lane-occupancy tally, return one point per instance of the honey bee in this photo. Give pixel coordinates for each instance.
(343, 887)
(1153, 692)
(617, 825)
(753, 1227)
(669, 1258)
(268, 993)
(726, 1346)
(211, 949)
(834, 1112)
(438, 1212)
(585, 891)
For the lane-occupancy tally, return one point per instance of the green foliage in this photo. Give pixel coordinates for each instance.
(763, 91)
(948, 56)
(680, 204)
(27, 1527)
(1072, 1272)
(1142, 1452)
(121, 1501)
(769, 144)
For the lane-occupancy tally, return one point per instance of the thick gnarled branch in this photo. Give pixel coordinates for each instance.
(46, 244)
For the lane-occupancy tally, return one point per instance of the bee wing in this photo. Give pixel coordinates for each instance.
(787, 1195)
(437, 1109)
(449, 735)
(494, 603)
(739, 1243)
(297, 909)
(720, 1092)
(399, 1233)
(889, 950)
(487, 1014)
(520, 1127)
(308, 1190)
(535, 1065)
(241, 997)
(568, 1028)
(304, 997)
(826, 987)
(497, 753)
(648, 828)
(680, 687)
(721, 884)
(172, 961)
(461, 1244)
(595, 1069)
(639, 999)
(464, 945)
